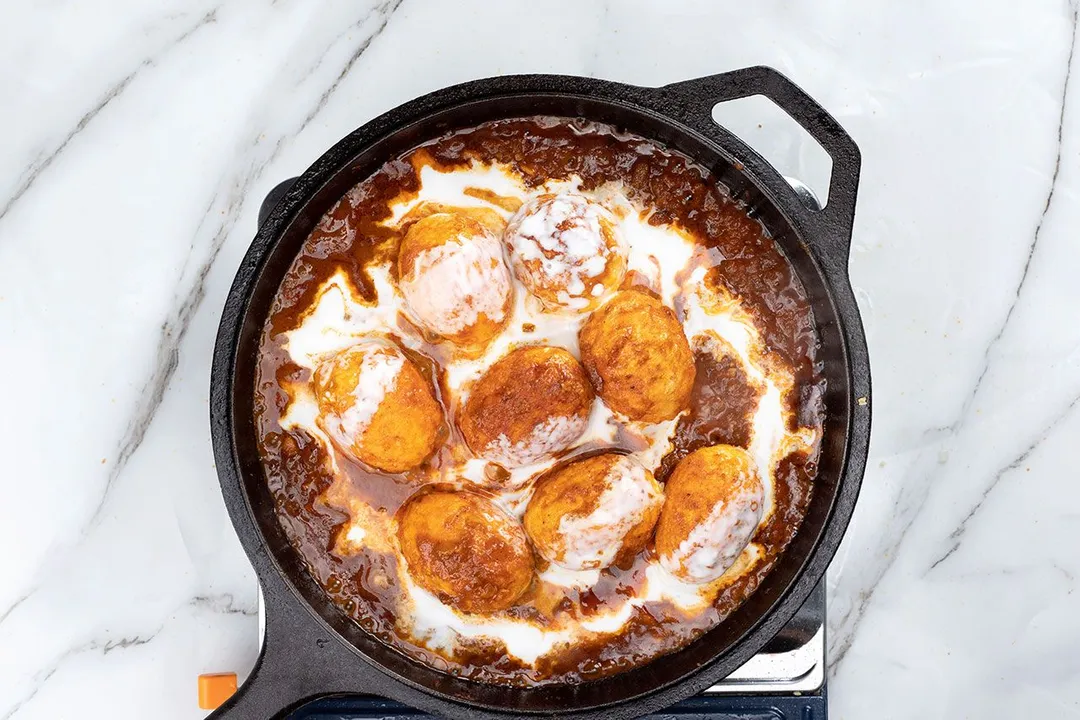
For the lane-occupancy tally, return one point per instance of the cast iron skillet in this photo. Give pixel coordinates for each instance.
(311, 648)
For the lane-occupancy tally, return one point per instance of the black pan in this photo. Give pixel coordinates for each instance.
(311, 648)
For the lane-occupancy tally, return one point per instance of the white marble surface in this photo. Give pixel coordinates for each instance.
(138, 139)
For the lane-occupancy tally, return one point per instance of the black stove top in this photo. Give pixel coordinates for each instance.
(703, 707)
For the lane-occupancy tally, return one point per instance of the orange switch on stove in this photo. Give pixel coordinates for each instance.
(215, 689)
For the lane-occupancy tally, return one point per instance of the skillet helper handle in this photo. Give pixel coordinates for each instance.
(281, 681)
(300, 661)
(696, 98)
(276, 195)
(258, 697)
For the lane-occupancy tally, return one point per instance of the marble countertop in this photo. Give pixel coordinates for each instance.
(140, 137)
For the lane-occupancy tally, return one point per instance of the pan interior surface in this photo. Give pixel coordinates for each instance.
(352, 161)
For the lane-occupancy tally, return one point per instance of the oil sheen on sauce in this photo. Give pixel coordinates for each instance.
(757, 387)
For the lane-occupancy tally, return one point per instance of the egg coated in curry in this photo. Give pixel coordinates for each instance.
(465, 550)
(377, 406)
(531, 403)
(638, 358)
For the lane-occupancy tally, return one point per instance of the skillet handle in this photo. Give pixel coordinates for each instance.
(300, 661)
(696, 99)
(261, 696)
(287, 674)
